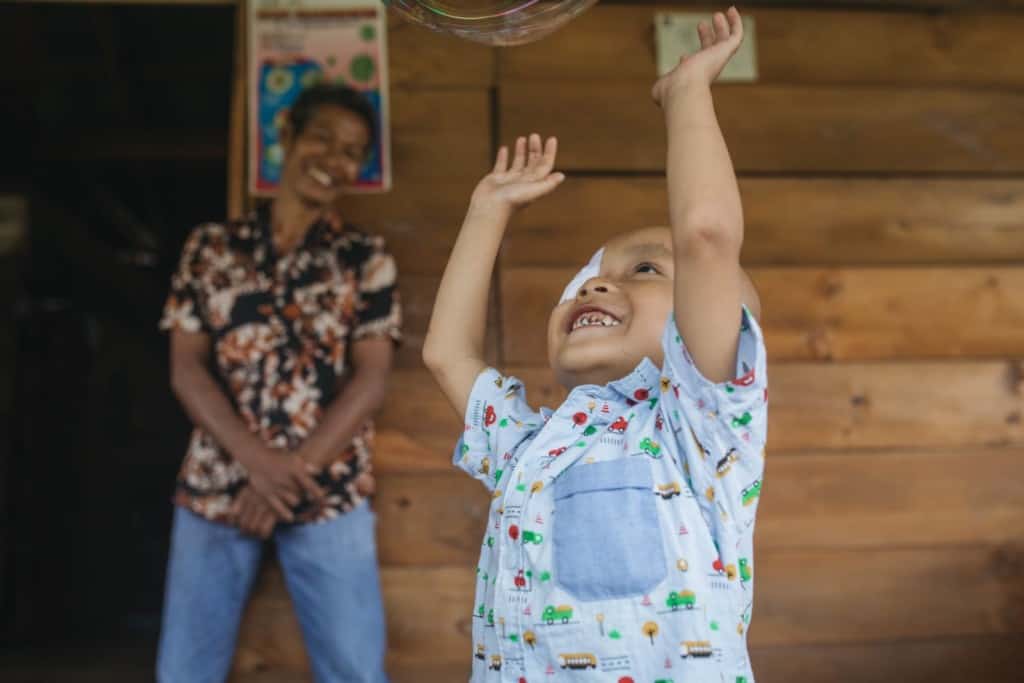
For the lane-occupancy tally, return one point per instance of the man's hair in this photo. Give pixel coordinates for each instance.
(336, 95)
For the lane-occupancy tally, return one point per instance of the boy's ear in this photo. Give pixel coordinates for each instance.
(750, 297)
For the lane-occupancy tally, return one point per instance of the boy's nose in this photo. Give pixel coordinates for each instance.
(594, 284)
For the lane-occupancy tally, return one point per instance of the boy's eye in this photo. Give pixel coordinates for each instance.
(646, 268)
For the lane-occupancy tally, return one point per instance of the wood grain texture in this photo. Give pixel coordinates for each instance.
(427, 122)
(919, 404)
(888, 594)
(419, 58)
(816, 407)
(418, 293)
(419, 218)
(844, 499)
(616, 42)
(979, 659)
(829, 314)
(793, 128)
(793, 221)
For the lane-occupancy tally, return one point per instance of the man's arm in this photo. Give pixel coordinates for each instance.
(281, 481)
(454, 347)
(360, 398)
(704, 204)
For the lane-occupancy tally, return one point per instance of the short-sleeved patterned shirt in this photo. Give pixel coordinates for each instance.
(619, 545)
(280, 326)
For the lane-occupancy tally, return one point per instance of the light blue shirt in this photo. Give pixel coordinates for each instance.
(619, 544)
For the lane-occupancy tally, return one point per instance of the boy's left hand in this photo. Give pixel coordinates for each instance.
(718, 43)
(529, 177)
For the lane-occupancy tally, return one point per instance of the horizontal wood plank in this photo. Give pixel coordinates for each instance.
(793, 221)
(419, 218)
(916, 48)
(978, 659)
(813, 406)
(845, 499)
(829, 314)
(822, 406)
(418, 293)
(888, 595)
(781, 129)
(425, 122)
(398, 451)
(419, 58)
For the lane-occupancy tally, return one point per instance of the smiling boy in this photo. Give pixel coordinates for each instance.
(620, 539)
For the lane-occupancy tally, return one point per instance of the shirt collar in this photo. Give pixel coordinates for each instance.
(639, 385)
(330, 221)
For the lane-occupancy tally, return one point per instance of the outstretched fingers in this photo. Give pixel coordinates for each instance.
(519, 160)
(722, 30)
(501, 161)
(707, 35)
(735, 24)
(542, 158)
(536, 150)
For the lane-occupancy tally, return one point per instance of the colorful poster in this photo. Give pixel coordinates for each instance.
(296, 43)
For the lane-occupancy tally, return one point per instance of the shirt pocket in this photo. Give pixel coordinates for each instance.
(607, 539)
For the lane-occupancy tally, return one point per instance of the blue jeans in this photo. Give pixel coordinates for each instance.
(330, 569)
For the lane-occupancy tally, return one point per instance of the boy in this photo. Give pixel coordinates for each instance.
(619, 546)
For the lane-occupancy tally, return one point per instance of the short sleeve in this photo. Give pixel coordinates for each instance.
(725, 423)
(379, 309)
(499, 425)
(184, 307)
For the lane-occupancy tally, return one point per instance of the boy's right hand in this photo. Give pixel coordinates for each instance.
(528, 178)
(718, 43)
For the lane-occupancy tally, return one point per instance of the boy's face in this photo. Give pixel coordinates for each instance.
(616, 318)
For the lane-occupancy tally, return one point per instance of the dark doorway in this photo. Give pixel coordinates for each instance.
(116, 119)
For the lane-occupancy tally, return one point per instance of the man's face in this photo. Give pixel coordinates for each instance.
(617, 318)
(326, 156)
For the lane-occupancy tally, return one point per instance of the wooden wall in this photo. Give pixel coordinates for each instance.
(881, 156)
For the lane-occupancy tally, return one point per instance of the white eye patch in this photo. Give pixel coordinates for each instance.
(592, 269)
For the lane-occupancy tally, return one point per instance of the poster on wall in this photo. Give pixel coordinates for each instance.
(296, 43)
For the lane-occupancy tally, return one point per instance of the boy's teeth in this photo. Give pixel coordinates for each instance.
(592, 319)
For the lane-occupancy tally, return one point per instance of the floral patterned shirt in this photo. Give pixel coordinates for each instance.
(280, 325)
(619, 546)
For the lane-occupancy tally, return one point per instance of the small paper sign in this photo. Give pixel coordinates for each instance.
(676, 35)
(296, 43)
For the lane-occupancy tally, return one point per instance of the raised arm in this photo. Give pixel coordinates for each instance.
(454, 346)
(704, 204)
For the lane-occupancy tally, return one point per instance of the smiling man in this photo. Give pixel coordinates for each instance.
(282, 331)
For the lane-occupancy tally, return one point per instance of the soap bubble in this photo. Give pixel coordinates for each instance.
(492, 22)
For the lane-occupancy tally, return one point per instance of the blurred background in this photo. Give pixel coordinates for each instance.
(881, 156)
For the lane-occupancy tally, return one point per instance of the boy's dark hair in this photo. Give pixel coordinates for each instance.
(337, 95)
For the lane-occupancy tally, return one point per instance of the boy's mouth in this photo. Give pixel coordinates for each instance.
(591, 316)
